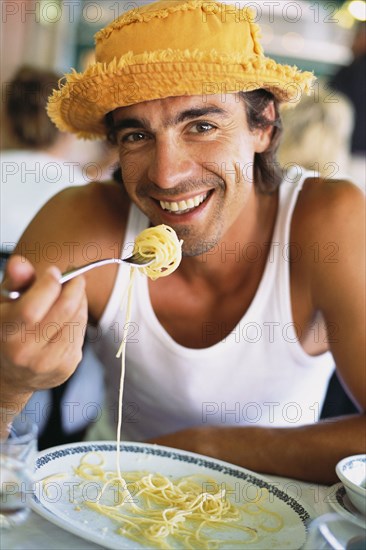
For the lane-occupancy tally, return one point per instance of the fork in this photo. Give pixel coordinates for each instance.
(136, 260)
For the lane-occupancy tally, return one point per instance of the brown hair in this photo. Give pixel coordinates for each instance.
(266, 170)
(25, 105)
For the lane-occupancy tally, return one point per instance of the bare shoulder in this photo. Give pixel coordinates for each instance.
(329, 226)
(329, 221)
(76, 224)
(324, 205)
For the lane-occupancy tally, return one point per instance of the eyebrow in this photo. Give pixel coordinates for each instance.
(199, 112)
(188, 114)
(129, 123)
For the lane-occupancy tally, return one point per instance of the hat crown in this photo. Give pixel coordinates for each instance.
(182, 25)
(171, 48)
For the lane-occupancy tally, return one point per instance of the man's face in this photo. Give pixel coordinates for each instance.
(187, 162)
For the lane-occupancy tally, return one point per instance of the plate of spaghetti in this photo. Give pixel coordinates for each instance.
(163, 498)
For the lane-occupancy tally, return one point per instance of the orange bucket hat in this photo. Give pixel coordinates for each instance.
(171, 48)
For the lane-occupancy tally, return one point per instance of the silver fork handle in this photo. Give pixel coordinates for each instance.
(66, 276)
(135, 260)
(80, 270)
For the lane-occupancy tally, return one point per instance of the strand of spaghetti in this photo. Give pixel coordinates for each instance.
(162, 244)
(122, 353)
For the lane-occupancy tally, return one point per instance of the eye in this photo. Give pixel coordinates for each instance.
(202, 127)
(133, 137)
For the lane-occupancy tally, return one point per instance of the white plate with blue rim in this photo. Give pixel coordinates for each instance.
(57, 496)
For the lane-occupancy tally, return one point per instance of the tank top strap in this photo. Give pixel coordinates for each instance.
(290, 188)
(285, 249)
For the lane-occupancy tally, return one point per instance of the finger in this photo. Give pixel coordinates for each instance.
(70, 311)
(28, 337)
(51, 350)
(65, 357)
(19, 273)
(35, 303)
(63, 350)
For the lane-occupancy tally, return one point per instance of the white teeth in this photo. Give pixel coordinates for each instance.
(183, 206)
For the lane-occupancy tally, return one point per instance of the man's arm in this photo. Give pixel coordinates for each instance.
(338, 281)
(43, 331)
(308, 453)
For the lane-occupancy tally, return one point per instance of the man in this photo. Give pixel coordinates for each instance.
(228, 355)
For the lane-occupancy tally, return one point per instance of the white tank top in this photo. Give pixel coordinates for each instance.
(258, 375)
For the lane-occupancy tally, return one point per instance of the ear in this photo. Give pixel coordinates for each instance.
(264, 135)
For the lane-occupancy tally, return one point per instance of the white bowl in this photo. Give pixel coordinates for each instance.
(352, 473)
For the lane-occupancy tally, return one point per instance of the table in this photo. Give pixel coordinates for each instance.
(39, 534)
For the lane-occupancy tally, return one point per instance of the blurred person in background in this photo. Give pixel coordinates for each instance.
(35, 167)
(351, 81)
(317, 134)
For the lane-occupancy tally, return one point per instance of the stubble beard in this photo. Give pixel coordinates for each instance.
(194, 244)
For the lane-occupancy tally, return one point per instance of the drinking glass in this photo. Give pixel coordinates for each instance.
(333, 532)
(17, 462)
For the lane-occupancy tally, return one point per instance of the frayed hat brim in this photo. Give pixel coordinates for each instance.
(84, 99)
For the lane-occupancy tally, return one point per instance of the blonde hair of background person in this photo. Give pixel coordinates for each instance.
(316, 135)
(182, 154)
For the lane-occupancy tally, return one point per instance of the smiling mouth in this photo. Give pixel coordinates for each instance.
(182, 207)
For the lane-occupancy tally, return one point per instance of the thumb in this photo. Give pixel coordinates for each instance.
(19, 273)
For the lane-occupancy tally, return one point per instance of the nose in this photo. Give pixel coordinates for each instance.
(170, 164)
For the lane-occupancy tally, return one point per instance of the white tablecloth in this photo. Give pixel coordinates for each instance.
(39, 534)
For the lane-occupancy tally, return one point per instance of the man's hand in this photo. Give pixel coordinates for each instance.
(42, 332)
